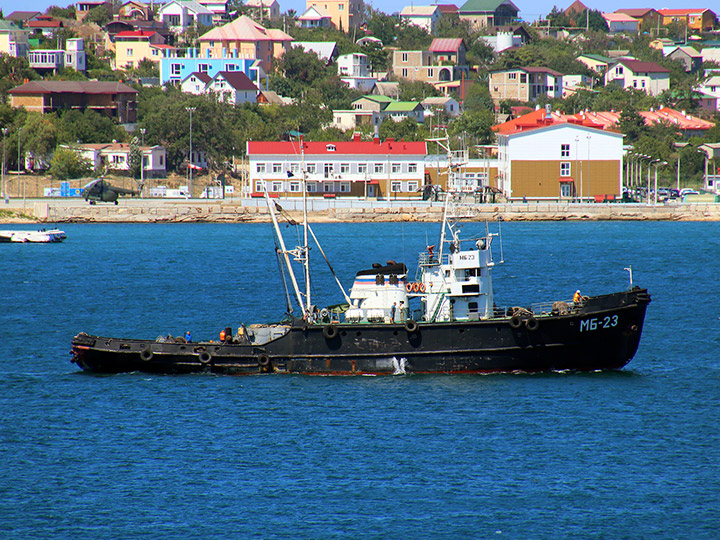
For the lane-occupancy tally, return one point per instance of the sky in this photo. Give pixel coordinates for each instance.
(529, 9)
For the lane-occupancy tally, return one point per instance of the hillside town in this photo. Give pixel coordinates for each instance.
(205, 98)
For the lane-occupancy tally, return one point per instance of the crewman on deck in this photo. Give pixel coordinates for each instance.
(577, 297)
(188, 337)
(222, 336)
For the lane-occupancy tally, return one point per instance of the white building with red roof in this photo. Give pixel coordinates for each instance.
(621, 22)
(354, 168)
(544, 155)
(649, 77)
(233, 87)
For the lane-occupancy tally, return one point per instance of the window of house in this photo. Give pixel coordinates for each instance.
(260, 167)
(412, 167)
(565, 150)
(330, 147)
(294, 187)
(635, 83)
(276, 187)
(512, 76)
(341, 7)
(430, 73)
(162, 160)
(643, 83)
(565, 168)
(379, 168)
(404, 73)
(328, 170)
(328, 187)
(404, 57)
(259, 185)
(129, 52)
(231, 67)
(312, 187)
(311, 168)
(619, 70)
(175, 69)
(523, 77)
(395, 186)
(203, 68)
(344, 167)
(295, 168)
(276, 168)
(396, 168)
(412, 186)
(362, 168)
(345, 187)
(566, 189)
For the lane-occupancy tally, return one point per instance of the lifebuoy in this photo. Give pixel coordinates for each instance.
(263, 360)
(409, 287)
(205, 357)
(515, 322)
(146, 354)
(411, 326)
(532, 324)
(415, 287)
(421, 287)
(330, 331)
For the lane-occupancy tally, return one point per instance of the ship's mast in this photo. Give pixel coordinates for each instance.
(306, 248)
(285, 252)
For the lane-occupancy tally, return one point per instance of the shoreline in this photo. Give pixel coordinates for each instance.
(42, 211)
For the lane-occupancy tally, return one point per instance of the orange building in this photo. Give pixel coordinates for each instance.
(695, 19)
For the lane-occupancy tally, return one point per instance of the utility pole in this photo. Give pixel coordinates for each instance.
(4, 187)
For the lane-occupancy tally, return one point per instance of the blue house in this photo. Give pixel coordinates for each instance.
(176, 68)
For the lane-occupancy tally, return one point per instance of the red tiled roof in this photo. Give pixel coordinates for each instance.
(44, 23)
(671, 12)
(201, 75)
(135, 33)
(237, 79)
(73, 87)
(447, 8)
(341, 147)
(605, 120)
(445, 44)
(634, 12)
(636, 66)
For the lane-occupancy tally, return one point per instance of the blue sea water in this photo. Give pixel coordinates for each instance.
(632, 454)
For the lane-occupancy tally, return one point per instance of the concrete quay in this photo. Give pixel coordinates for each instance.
(248, 210)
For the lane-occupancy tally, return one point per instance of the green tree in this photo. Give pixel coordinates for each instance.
(134, 158)
(67, 164)
(416, 90)
(631, 124)
(39, 134)
(99, 15)
(407, 129)
(87, 127)
(476, 124)
(477, 98)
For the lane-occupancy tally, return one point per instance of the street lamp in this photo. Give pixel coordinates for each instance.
(190, 110)
(142, 160)
(4, 187)
(656, 162)
(577, 140)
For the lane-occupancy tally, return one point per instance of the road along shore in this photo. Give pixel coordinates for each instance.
(238, 211)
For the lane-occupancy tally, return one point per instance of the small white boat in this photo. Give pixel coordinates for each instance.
(39, 236)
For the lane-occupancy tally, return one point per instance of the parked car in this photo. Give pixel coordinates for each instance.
(688, 191)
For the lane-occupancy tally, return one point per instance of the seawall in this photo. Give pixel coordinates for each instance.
(151, 211)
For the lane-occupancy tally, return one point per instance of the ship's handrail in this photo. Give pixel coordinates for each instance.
(424, 259)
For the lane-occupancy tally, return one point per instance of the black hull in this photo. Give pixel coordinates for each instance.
(603, 334)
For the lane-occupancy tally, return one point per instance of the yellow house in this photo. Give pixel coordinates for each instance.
(344, 14)
(695, 19)
(244, 38)
(135, 45)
